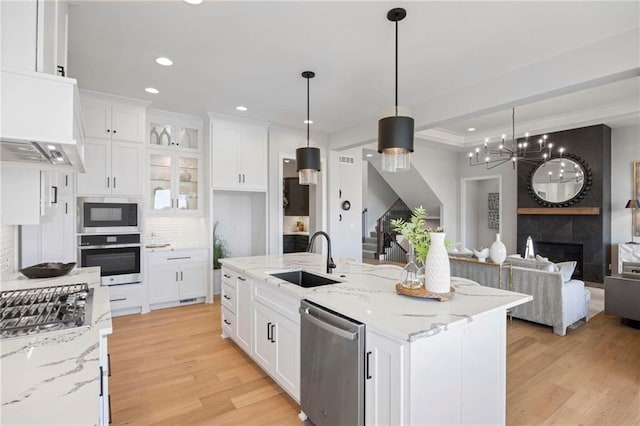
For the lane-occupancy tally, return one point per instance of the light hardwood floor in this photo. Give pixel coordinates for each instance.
(172, 367)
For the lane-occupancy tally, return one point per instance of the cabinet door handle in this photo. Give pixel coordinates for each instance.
(242, 278)
(181, 276)
(227, 297)
(227, 276)
(66, 180)
(108, 131)
(179, 258)
(269, 331)
(109, 409)
(109, 363)
(227, 322)
(66, 208)
(114, 181)
(176, 275)
(55, 194)
(101, 378)
(107, 182)
(273, 335)
(118, 300)
(114, 132)
(368, 362)
(239, 178)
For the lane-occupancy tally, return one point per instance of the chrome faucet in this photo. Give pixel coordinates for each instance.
(330, 264)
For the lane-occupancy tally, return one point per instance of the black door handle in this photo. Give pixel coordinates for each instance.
(227, 297)
(269, 331)
(101, 378)
(109, 363)
(273, 336)
(368, 362)
(55, 195)
(227, 322)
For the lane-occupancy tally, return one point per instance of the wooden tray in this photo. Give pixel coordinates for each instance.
(423, 293)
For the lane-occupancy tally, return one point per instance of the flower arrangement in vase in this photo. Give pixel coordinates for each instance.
(416, 232)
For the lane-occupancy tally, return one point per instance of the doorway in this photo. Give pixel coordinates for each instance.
(301, 211)
(481, 210)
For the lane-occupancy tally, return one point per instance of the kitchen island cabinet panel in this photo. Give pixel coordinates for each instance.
(263, 325)
(384, 363)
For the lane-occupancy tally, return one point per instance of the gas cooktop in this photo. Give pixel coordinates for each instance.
(38, 310)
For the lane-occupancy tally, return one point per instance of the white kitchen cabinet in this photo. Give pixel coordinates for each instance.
(175, 183)
(126, 299)
(236, 299)
(112, 168)
(276, 343)
(384, 375)
(53, 240)
(177, 277)
(239, 154)
(106, 119)
(34, 35)
(104, 415)
(174, 131)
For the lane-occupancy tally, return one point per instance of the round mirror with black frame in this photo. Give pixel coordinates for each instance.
(560, 181)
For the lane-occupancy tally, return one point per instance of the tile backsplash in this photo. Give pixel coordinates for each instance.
(177, 231)
(7, 249)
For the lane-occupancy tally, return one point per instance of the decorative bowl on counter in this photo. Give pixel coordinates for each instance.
(48, 270)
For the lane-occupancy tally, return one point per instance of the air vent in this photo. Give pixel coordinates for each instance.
(346, 159)
(23, 152)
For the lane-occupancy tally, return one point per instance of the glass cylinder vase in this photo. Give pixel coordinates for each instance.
(411, 274)
(437, 272)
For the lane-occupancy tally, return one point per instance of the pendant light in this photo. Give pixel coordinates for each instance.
(308, 158)
(395, 133)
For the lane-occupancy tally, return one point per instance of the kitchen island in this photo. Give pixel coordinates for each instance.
(430, 362)
(58, 377)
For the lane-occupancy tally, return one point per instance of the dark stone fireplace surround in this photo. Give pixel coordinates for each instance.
(561, 252)
(593, 232)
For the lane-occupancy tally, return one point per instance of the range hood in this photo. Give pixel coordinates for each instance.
(41, 121)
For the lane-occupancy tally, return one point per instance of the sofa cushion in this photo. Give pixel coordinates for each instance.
(531, 263)
(566, 270)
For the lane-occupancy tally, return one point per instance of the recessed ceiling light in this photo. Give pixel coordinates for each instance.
(369, 155)
(287, 161)
(193, 1)
(51, 147)
(471, 129)
(164, 61)
(152, 90)
(241, 108)
(308, 121)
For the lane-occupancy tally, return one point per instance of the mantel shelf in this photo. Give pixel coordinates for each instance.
(560, 210)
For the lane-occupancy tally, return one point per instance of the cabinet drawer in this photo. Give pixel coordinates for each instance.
(228, 297)
(228, 322)
(229, 277)
(277, 300)
(177, 257)
(125, 296)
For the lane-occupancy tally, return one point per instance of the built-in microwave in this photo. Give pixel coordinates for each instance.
(108, 216)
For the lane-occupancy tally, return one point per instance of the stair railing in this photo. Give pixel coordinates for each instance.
(386, 236)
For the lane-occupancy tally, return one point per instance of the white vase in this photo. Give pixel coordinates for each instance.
(437, 273)
(498, 251)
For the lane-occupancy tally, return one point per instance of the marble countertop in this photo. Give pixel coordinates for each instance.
(367, 294)
(296, 233)
(54, 378)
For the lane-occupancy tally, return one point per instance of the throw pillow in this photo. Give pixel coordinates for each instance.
(542, 259)
(566, 269)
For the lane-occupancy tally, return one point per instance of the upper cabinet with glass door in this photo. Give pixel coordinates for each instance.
(174, 131)
(174, 164)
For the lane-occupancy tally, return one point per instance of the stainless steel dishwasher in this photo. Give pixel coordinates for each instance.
(332, 376)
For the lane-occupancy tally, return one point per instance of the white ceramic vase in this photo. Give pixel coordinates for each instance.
(498, 250)
(437, 273)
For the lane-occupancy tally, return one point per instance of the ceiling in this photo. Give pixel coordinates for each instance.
(252, 53)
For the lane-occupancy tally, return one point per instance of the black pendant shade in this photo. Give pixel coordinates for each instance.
(308, 158)
(395, 132)
(632, 204)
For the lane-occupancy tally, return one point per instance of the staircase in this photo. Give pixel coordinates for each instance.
(381, 244)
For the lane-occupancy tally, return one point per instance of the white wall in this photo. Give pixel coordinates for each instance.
(240, 217)
(625, 148)
(379, 196)
(470, 239)
(485, 236)
(8, 250)
(284, 141)
(438, 166)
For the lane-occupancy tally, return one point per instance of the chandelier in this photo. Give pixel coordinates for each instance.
(514, 151)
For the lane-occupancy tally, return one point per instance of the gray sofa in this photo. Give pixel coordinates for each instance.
(622, 297)
(554, 303)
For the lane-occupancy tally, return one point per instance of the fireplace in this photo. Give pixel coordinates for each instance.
(561, 252)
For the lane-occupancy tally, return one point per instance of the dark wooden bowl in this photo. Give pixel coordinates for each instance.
(48, 270)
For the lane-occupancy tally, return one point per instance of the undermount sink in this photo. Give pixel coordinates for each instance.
(303, 278)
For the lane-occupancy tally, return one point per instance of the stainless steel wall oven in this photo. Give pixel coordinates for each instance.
(117, 255)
